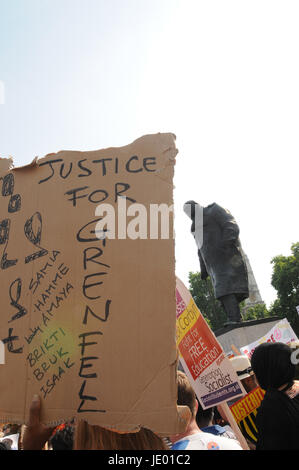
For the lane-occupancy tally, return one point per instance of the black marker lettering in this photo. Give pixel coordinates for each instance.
(116, 165)
(44, 269)
(149, 161)
(9, 341)
(15, 294)
(54, 360)
(54, 335)
(84, 168)
(103, 160)
(50, 163)
(34, 238)
(14, 204)
(91, 197)
(38, 305)
(138, 170)
(119, 191)
(73, 193)
(39, 375)
(87, 286)
(86, 365)
(61, 353)
(4, 236)
(45, 367)
(82, 238)
(95, 253)
(67, 363)
(84, 344)
(67, 173)
(103, 319)
(8, 185)
(46, 345)
(84, 398)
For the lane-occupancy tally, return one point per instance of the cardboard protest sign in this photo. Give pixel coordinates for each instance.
(88, 304)
(281, 332)
(245, 411)
(202, 357)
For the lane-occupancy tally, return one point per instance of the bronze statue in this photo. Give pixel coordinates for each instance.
(220, 255)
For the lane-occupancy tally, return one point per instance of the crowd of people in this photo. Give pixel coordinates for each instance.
(277, 420)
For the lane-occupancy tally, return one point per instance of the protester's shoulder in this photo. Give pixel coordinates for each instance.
(226, 443)
(213, 442)
(272, 411)
(276, 396)
(267, 406)
(192, 442)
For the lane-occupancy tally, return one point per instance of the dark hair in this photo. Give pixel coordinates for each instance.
(204, 417)
(63, 439)
(271, 363)
(90, 437)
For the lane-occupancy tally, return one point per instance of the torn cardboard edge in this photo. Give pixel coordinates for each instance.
(6, 164)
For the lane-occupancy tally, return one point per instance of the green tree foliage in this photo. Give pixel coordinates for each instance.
(285, 279)
(203, 295)
(256, 312)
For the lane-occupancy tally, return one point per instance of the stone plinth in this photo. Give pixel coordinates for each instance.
(244, 333)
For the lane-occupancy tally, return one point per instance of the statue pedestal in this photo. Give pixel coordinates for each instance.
(241, 334)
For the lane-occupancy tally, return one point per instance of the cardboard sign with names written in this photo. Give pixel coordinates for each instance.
(87, 320)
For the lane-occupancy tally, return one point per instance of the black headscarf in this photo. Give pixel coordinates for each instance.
(271, 363)
(278, 416)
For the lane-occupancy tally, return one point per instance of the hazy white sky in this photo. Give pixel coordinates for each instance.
(221, 75)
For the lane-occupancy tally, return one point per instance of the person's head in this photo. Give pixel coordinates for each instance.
(63, 437)
(186, 394)
(204, 418)
(88, 437)
(243, 369)
(272, 365)
(186, 397)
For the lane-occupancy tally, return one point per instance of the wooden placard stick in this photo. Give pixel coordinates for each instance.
(226, 412)
(236, 350)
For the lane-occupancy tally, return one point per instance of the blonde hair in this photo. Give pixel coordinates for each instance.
(88, 437)
(186, 394)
